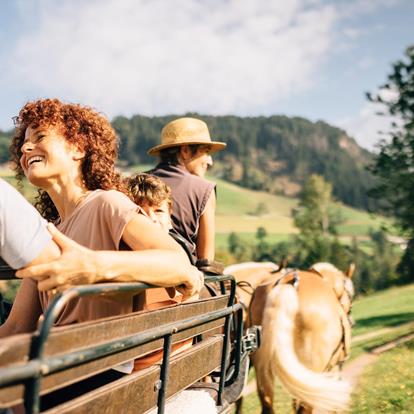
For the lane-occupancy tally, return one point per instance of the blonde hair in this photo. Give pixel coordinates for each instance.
(149, 189)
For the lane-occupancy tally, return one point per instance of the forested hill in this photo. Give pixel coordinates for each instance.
(274, 154)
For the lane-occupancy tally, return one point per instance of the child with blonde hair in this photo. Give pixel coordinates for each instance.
(153, 196)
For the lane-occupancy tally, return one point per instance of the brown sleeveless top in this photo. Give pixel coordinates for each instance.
(190, 194)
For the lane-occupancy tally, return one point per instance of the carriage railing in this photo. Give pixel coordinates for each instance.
(6, 272)
(38, 365)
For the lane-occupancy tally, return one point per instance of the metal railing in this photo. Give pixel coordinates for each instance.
(39, 366)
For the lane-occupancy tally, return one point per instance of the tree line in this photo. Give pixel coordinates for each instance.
(274, 154)
(377, 261)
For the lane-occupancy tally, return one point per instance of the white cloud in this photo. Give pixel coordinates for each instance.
(154, 57)
(367, 127)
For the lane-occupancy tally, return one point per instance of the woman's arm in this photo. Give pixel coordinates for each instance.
(26, 308)
(25, 312)
(207, 230)
(157, 260)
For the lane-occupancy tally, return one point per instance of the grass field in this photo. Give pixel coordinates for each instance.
(388, 385)
(28, 190)
(388, 308)
(382, 309)
(236, 209)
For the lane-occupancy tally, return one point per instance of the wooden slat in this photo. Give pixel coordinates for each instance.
(14, 349)
(81, 336)
(78, 336)
(136, 393)
(71, 375)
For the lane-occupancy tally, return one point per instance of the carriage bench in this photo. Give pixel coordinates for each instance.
(34, 365)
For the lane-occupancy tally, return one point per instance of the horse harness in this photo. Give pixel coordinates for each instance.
(343, 346)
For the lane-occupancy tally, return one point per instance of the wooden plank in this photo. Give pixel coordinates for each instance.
(136, 393)
(81, 336)
(14, 349)
(78, 336)
(71, 375)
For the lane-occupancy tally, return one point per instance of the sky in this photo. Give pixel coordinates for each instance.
(309, 58)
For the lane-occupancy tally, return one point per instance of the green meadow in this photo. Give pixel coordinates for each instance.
(394, 393)
(238, 210)
(386, 308)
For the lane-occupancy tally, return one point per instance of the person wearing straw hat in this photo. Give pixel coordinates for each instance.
(185, 155)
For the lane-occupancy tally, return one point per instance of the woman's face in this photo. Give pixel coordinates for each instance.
(48, 157)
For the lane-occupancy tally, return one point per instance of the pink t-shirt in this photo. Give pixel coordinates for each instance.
(98, 223)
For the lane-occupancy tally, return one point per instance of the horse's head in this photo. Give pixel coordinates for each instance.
(341, 282)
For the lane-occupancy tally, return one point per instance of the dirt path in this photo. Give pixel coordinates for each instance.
(352, 370)
(383, 331)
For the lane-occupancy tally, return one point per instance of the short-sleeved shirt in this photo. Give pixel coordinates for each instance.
(190, 194)
(23, 232)
(98, 223)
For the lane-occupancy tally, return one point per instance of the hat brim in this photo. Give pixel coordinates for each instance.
(215, 146)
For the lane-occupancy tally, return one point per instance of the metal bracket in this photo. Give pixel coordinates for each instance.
(252, 339)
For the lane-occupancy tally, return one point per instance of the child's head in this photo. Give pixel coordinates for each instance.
(153, 196)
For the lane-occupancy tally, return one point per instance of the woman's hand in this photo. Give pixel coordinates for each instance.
(75, 266)
(192, 288)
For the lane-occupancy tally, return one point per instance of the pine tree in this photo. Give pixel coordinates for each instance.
(394, 164)
(316, 218)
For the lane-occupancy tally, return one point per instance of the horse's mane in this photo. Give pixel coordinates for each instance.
(248, 265)
(325, 266)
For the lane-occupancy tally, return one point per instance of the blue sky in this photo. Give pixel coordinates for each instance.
(308, 58)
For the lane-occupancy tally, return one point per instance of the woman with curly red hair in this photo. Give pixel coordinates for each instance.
(69, 152)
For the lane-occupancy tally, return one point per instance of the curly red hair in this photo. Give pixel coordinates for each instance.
(82, 126)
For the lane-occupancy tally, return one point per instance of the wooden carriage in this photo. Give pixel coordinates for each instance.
(34, 365)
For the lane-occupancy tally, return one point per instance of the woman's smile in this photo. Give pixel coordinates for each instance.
(46, 154)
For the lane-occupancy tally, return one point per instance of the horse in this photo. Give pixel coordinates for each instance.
(306, 332)
(248, 276)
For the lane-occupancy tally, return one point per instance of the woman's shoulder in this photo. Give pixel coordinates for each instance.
(111, 197)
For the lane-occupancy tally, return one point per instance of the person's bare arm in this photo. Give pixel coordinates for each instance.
(26, 306)
(207, 230)
(157, 259)
(49, 253)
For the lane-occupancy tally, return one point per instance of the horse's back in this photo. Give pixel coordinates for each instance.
(316, 296)
(252, 272)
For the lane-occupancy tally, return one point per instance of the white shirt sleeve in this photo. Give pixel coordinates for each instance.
(23, 232)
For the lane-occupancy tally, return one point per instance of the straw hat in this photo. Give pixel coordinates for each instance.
(186, 131)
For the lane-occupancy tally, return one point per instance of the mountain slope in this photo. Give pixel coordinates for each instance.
(274, 154)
